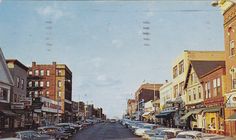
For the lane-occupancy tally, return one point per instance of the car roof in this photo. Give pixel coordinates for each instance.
(194, 133)
(172, 130)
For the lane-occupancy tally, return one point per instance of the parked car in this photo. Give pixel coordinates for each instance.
(150, 133)
(166, 134)
(141, 131)
(67, 128)
(215, 137)
(195, 135)
(32, 135)
(56, 132)
(76, 126)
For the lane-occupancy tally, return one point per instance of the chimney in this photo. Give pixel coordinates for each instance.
(54, 63)
(33, 63)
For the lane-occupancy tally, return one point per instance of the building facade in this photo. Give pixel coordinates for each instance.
(52, 81)
(166, 95)
(6, 82)
(131, 108)
(18, 91)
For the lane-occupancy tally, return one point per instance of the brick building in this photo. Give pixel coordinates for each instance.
(53, 81)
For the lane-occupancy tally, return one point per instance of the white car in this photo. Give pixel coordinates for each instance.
(141, 131)
(151, 133)
(166, 134)
(194, 135)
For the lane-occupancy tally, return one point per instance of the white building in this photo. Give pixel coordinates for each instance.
(166, 94)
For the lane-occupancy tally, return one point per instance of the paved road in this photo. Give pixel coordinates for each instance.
(105, 131)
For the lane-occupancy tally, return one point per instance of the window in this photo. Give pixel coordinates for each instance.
(48, 72)
(231, 47)
(175, 72)
(30, 72)
(233, 74)
(41, 72)
(199, 92)
(194, 94)
(48, 84)
(36, 83)
(175, 90)
(36, 72)
(41, 93)
(47, 93)
(59, 93)
(3, 94)
(189, 98)
(17, 82)
(181, 88)
(41, 83)
(15, 98)
(30, 94)
(36, 94)
(59, 72)
(181, 67)
(216, 86)
(208, 90)
(59, 83)
(30, 84)
(22, 83)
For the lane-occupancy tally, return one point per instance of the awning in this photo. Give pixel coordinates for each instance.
(211, 110)
(146, 113)
(195, 111)
(164, 114)
(232, 118)
(8, 113)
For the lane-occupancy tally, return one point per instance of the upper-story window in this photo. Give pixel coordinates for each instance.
(208, 90)
(30, 72)
(48, 72)
(181, 67)
(59, 83)
(47, 93)
(199, 92)
(175, 91)
(41, 72)
(30, 84)
(216, 86)
(36, 72)
(189, 96)
(181, 88)
(194, 94)
(233, 76)
(47, 83)
(59, 72)
(175, 71)
(41, 83)
(36, 83)
(22, 83)
(3, 94)
(231, 48)
(17, 82)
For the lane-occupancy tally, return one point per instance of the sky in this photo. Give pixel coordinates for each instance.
(102, 42)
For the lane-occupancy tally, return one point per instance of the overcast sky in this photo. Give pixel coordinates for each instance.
(102, 42)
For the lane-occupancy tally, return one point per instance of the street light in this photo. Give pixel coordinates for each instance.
(59, 99)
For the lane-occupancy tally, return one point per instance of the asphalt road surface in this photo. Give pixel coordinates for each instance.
(105, 131)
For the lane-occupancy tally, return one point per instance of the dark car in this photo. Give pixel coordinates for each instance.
(67, 128)
(56, 132)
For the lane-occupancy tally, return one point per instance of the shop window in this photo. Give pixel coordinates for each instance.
(212, 125)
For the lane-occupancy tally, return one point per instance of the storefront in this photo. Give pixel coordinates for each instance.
(167, 118)
(214, 120)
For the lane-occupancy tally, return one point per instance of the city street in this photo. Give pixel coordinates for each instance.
(105, 131)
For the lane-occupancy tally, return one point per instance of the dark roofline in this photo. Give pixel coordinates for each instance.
(220, 67)
(17, 62)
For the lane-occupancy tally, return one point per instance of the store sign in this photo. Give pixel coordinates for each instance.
(215, 101)
(17, 106)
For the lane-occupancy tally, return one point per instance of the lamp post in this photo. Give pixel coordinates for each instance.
(59, 97)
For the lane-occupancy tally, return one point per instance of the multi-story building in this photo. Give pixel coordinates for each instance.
(6, 82)
(166, 95)
(131, 108)
(194, 92)
(75, 111)
(52, 81)
(228, 8)
(81, 110)
(145, 93)
(214, 86)
(18, 91)
(89, 111)
(181, 64)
